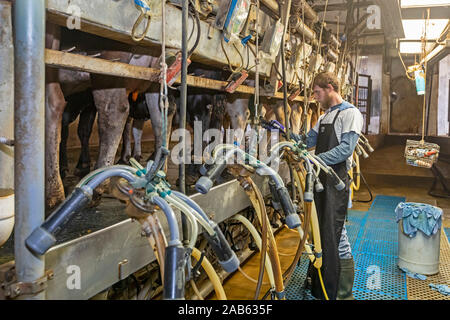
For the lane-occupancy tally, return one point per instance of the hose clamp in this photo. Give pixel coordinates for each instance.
(88, 192)
(10, 288)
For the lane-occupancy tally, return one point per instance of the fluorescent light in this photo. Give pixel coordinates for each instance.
(413, 47)
(433, 53)
(414, 28)
(410, 47)
(423, 3)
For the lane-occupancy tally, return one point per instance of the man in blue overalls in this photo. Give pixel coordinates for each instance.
(335, 137)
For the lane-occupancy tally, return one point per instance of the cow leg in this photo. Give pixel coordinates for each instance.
(278, 110)
(239, 113)
(112, 107)
(67, 118)
(296, 118)
(85, 125)
(171, 112)
(126, 142)
(138, 126)
(54, 105)
(152, 100)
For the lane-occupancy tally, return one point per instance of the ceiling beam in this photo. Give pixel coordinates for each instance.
(391, 18)
(442, 12)
(342, 6)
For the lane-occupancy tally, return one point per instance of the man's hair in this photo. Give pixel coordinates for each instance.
(323, 79)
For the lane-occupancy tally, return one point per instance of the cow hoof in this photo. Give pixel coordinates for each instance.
(138, 158)
(63, 172)
(96, 199)
(123, 161)
(53, 201)
(152, 156)
(81, 172)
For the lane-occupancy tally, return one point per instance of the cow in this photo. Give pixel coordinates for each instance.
(78, 104)
(110, 95)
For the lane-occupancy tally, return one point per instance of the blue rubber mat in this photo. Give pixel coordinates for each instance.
(373, 236)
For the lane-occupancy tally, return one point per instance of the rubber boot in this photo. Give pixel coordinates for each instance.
(346, 278)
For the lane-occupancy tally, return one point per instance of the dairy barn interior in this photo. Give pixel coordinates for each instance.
(167, 150)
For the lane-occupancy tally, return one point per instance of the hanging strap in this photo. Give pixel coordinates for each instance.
(424, 53)
(163, 94)
(144, 7)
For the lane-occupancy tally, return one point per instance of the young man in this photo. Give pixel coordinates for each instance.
(335, 137)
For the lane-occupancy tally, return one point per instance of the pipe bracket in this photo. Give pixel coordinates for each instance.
(11, 289)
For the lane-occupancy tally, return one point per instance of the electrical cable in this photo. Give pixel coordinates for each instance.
(197, 19)
(211, 273)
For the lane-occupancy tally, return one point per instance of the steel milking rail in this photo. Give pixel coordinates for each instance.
(29, 136)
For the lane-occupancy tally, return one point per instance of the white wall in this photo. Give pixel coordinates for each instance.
(6, 96)
(444, 77)
(373, 65)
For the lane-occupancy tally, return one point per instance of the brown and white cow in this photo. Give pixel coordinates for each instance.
(110, 97)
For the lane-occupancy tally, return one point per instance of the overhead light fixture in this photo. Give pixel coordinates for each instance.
(408, 47)
(414, 28)
(434, 53)
(424, 3)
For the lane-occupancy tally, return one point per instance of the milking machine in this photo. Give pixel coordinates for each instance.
(306, 170)
(146, 189)
(221, 157)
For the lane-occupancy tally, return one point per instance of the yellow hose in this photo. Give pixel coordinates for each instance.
(356, 183)
(358, 172)
(257, 202)
(352, 184)
(321, 283)
(314, 222)
(251, 228)
(212, 275)
(317, 262)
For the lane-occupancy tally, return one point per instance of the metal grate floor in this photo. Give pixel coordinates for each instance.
(420, 290)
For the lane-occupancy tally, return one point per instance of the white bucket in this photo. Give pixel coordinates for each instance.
(6, 214)
(419, 254)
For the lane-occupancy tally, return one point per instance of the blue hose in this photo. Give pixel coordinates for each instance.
(171, 219)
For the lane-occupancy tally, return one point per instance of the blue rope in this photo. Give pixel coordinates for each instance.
(142, 4)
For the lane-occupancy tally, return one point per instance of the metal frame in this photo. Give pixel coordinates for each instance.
(29, 134)
(59, 59)
(104, 257)
(99, 254)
